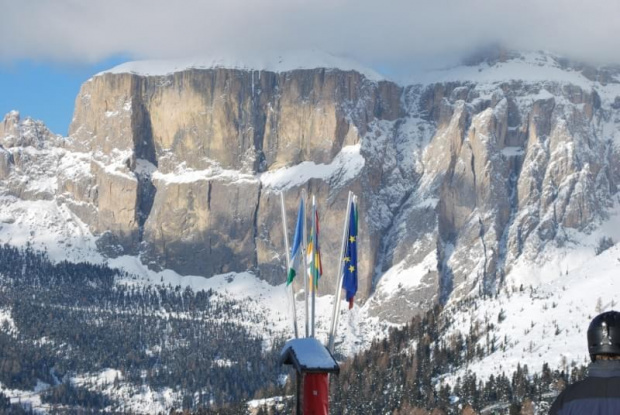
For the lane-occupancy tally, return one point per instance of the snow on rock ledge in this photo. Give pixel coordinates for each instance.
(265, 62)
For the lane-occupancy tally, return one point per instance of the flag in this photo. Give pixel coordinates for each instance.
(315, 268)
(296, 249)
(349, 282)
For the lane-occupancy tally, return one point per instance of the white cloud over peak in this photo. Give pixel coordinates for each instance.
(391, 33)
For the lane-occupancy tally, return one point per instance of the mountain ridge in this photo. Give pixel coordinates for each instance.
(274, 62)
(489, 64)
(127, 159)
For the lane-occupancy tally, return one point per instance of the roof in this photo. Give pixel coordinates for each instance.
(308, 356)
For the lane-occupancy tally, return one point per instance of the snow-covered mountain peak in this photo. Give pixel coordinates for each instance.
(492, 65)
(16, 131)
(500, 65)
(12, 115)
(273, 62)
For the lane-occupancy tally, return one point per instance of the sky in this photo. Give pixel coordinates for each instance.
(48, 48)
(46, 90)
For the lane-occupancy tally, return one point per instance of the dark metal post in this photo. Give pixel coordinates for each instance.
(298, 409)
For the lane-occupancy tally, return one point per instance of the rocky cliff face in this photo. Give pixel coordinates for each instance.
(458, 179)
(177, 159)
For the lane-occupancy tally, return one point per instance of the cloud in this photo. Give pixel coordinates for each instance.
(388, 33)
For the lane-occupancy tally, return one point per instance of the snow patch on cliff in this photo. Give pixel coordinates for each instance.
(184, 174)
(347, 165)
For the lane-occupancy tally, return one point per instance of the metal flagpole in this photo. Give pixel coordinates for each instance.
(336, 311)
(288, 263)
(313, 262)
(305, 270)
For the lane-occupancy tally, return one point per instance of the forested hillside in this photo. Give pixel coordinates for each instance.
(80, 338)
(412, 372)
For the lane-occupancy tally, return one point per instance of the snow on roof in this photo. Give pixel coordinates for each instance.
(264, 62)
(308, 355)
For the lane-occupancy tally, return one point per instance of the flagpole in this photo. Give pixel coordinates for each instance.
(305, 271)
(336, 311)
(288, 263)
(314, 265)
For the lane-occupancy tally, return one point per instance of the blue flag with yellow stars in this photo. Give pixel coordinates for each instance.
(349, 283)
(296, 250)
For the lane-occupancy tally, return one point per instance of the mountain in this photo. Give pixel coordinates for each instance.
(495, 182)
(459, 178)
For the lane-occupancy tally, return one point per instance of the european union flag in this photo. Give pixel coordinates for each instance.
(349, 282)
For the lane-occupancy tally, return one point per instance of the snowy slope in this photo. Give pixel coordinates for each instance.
(543, 312)
(47, 226)
(545, 323)
(528, 67)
